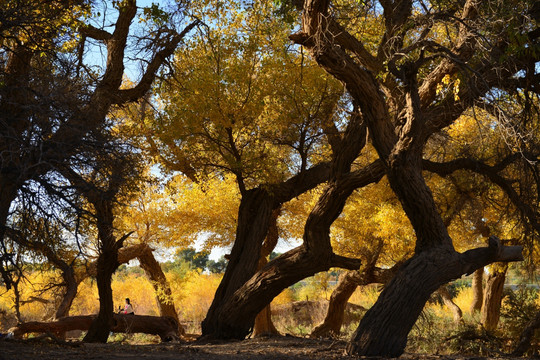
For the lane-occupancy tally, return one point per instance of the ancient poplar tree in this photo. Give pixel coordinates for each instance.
(395, 81)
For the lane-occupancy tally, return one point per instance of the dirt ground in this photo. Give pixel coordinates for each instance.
(257, 349)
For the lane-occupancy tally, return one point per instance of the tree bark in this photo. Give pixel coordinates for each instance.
(493, 293)
(263, 322)
(449, 302)
(164, 327)
(478, 291)
(254, 217)
(107, 263)
(161, 287)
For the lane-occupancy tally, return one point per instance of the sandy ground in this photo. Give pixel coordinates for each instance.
(256, 349)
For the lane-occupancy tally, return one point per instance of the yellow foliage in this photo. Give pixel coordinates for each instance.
(177, 214)
(365, 295)
(285, 297)
(464, 299)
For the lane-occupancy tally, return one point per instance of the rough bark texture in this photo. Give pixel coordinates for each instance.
(401, 115)
(491, 307)
(254, 218)
(478, 291)
(237, 315)
(449, 302)
(164, 327)
(263, 322)
(107, 264)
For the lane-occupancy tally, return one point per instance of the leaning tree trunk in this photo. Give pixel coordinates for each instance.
(384, 329)
(491, 308)
(161, 286)
(70, 292)
(263, 322)
(399, 127)
(254, 216)
(449, 302)
(331, 325)
(478, 291)
(340, 296)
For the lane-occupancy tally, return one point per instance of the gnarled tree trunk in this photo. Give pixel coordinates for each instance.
(263, 322)
(400, 122)
(71, 286)
(491, 307)
(238, 314)
(254, 217)
(107, 264)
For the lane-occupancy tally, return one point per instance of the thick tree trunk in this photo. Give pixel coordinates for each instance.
(102, 324)
(238, 314)
(384, 328)
(491, 308)
(449, 302)
(263, 322)
(478, 291)
(164, 327)
(161, 286)
(254, 216)
(400, 125)
(107, 264)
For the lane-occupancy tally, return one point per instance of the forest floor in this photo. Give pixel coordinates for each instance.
(286, 347)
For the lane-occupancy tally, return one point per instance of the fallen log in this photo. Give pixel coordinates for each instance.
(163, 326)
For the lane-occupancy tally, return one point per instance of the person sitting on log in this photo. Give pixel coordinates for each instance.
(128, 309)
